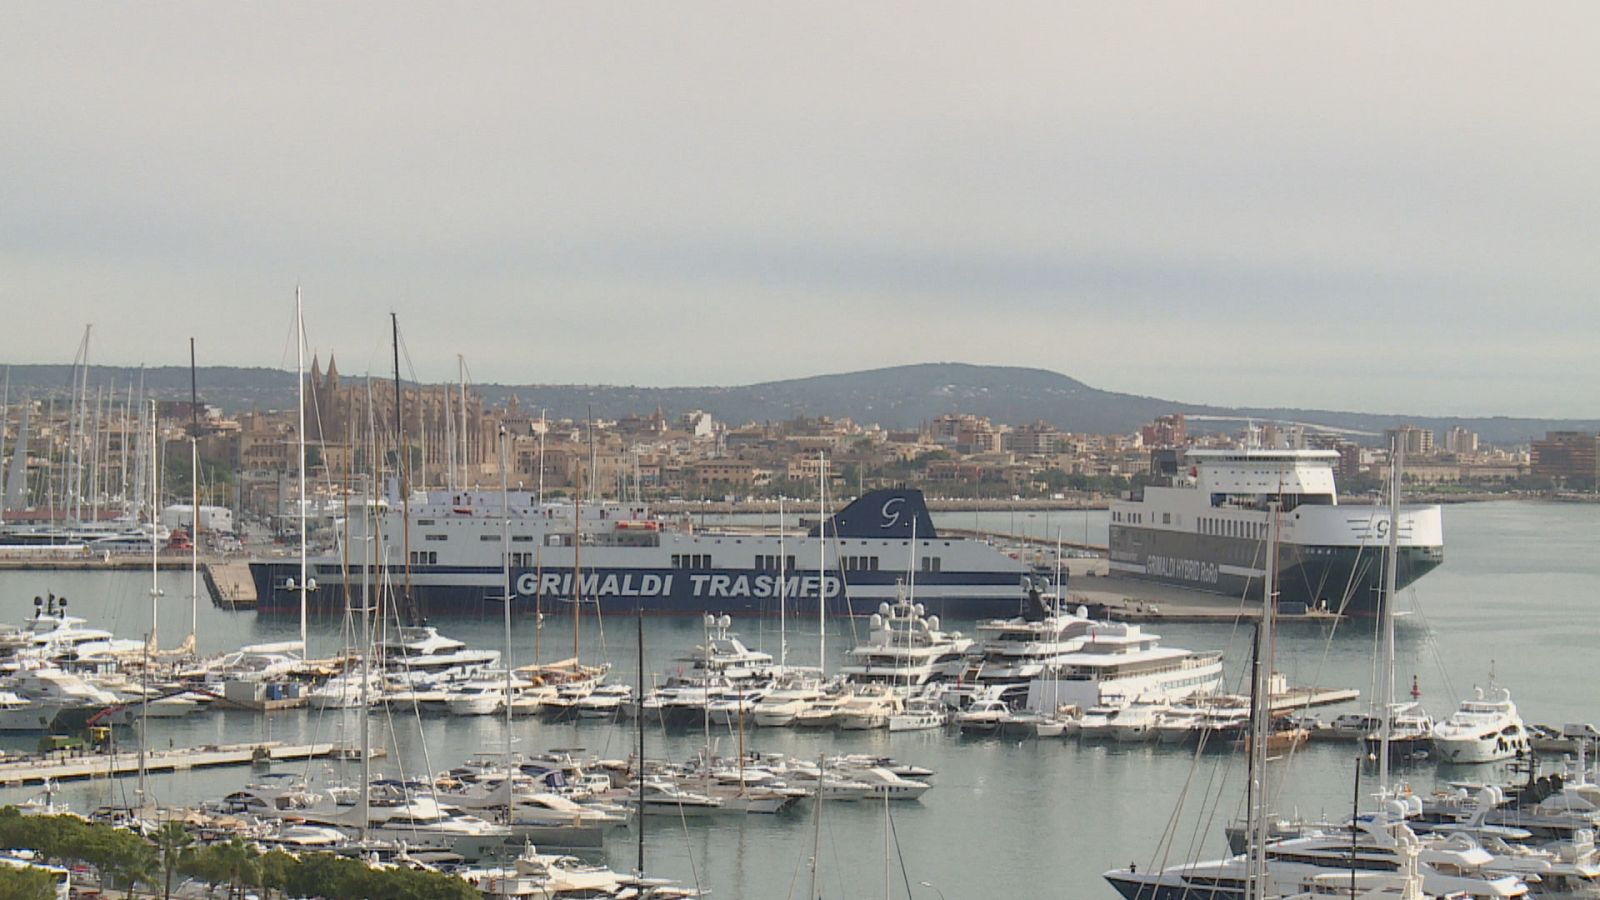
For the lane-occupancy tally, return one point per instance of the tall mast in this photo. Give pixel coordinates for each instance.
(1386, 675)
(94, 455)
(300, 435)
(505, 596)
(822, 563)
(5, 417)
(402, 464)
(577, 570)
(461, 370)
(543, 427)
(783, 597)
(155, 549)
(638, 614)
(127, 418)
(1256, 883)
(194, 394)
(194, 547)
(366, 643)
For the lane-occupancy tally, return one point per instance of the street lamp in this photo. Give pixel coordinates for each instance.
(935, 890)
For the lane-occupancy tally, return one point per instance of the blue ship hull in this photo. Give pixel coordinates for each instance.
(470, 591)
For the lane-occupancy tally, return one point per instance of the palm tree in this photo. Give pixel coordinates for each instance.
(173, 841)
(236, 862)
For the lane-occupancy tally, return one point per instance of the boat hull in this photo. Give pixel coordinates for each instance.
(473, 590)
(1134, 888)
(1338, 578)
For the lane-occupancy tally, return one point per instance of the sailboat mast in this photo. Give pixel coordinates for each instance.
(639, 727)
(368, 527)
(577, 568)
(783, 598)
(155, 548)
(300, 435)
(461, 372)
(822, 562)
(544, 426)
(94, 456)
(505, 596)
(194, 546)
(1261, 726)
(1386, 679)
(402, 465)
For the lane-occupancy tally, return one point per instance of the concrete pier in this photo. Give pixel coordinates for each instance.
(35, 769)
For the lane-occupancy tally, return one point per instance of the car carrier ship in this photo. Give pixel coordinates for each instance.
(1207, 529)
(629, 559)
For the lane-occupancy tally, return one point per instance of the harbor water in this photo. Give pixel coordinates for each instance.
(1515, 598)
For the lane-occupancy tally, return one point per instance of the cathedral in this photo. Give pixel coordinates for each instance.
(432, 424)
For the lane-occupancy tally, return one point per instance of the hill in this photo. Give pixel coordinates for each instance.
(897, 397)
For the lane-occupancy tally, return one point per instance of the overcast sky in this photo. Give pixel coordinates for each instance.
(1385, 207)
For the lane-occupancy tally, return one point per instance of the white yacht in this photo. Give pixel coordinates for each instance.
(1457, 868)
(1122, 660)
(906, 649)
(720, 668)
(479, 697)
(919, 714)
(52, 634)
(18, 713)
(982, 717)
(258, 663)
(782, 704)
(1011, 653)
(421, 654)
(869, 709)
(345, 691)
(1483, 729)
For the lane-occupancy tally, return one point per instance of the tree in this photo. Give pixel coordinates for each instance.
(172, 842)
(235, 863)
(26, 884)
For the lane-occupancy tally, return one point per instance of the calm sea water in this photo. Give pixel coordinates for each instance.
(1515, 597)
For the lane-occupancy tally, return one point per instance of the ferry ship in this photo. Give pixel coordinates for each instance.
(1207, 530)
(628, 558)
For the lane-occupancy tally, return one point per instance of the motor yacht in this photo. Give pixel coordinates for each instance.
(1483, 729)
(419, 653)
(906, 649)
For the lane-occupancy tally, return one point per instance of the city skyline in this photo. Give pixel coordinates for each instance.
(1256, 207)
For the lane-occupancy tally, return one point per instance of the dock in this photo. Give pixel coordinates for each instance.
(68, 766)
(227, 580)
(230, 584)
(1307, 697)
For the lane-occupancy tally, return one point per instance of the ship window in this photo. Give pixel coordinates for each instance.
(931, 563)
(522, 538)
(1166, 518)
(436, 537)
(424, 522)
(488, 537)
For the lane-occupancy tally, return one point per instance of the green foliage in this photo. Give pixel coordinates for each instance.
(172, 842)
(26, 884)
(125, 859)
(337, 878)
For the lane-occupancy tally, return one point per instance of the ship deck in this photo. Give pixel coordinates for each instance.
(1136, 600)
